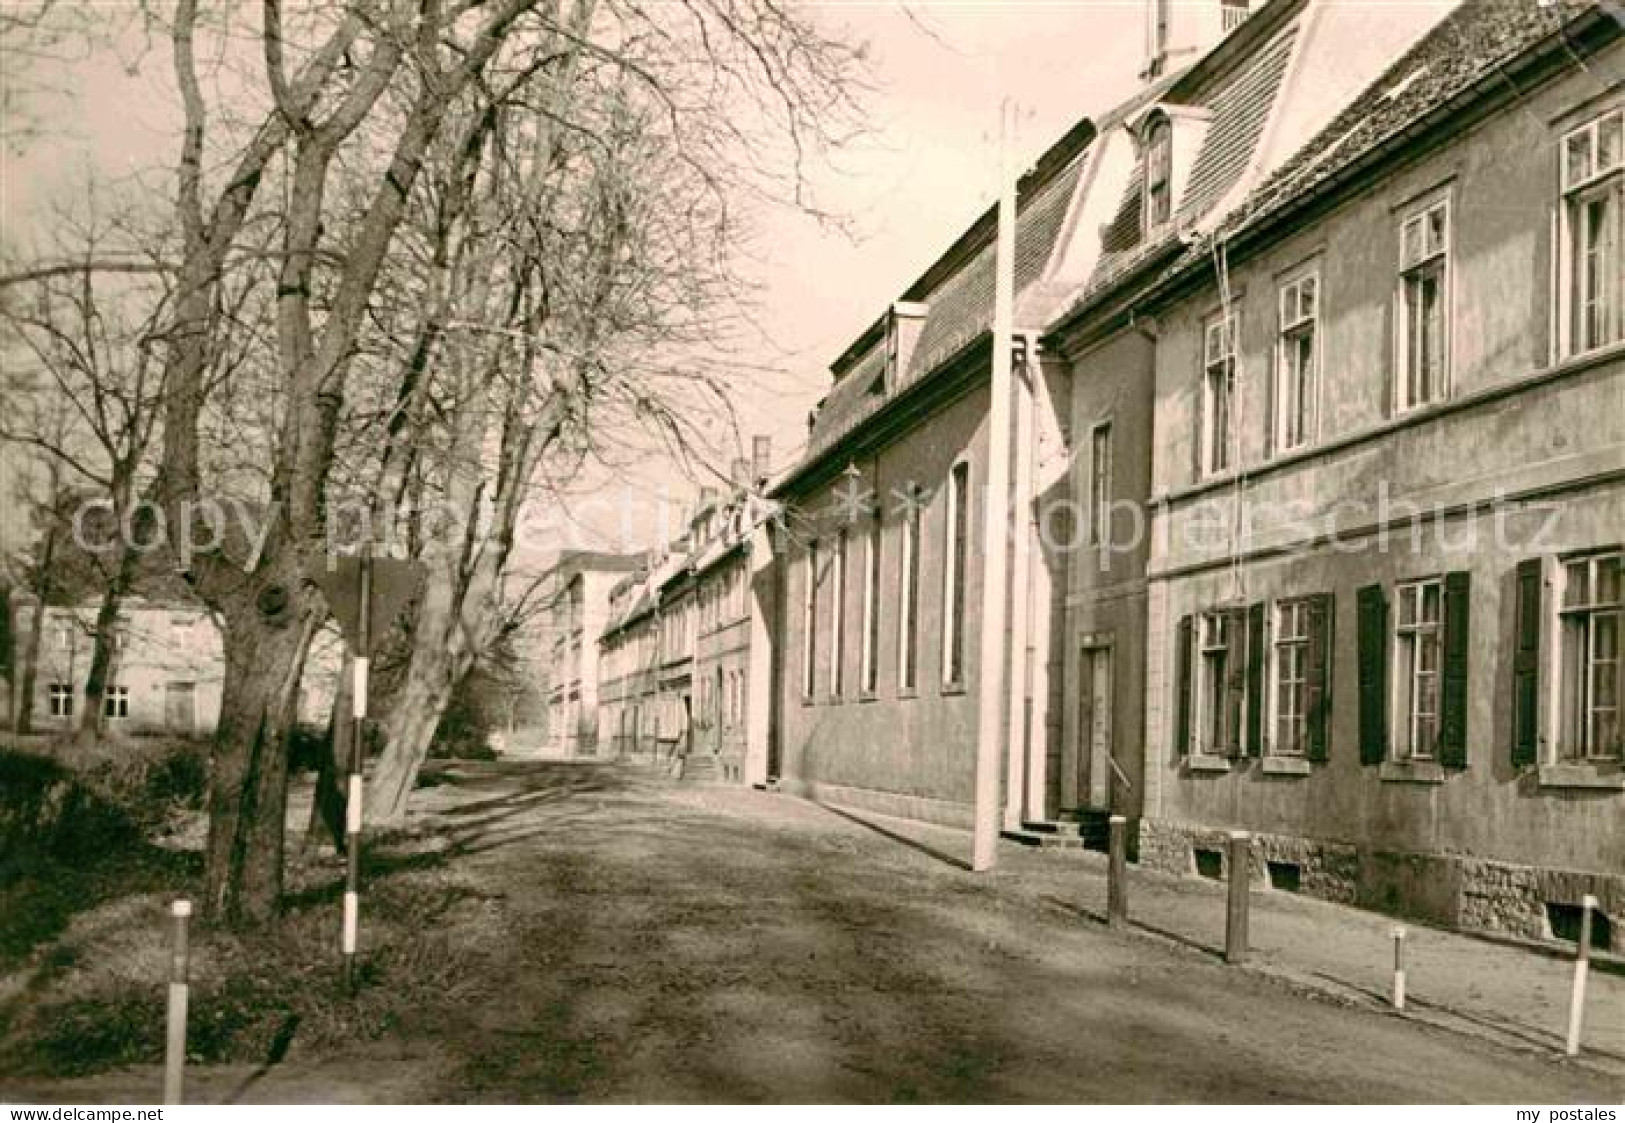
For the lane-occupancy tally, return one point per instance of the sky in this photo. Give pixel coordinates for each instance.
(906, 192)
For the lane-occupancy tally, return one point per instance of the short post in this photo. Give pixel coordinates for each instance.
(179, 959)
(1116, 870)
(1235, 920)
(1582, 963)
(352, 802)
(1399, 968)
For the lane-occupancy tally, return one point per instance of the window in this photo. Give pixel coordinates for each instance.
(1424, 254)
(1221, 687)
(1419, 649)
(116, 701)
(1158, 173)
(1291, 679)
(837, 622)
(1218, 394)
(1100, 482)
(809, 625)
(64, 635)
(871, 609)
(61, 698)
(909, 586)
(1296, 380)
(1233, 14)
(1590, 675)
(953, 635)
(1593, 241)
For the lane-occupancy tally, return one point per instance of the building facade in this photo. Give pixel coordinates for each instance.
(1389, 494)
(165, 675)
(579, 611)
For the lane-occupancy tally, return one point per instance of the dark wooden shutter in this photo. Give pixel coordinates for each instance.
(1371, 640)
(1255, 679)
(1318, 689)
(1272, 377)
(1196, 413)
(1453, 693)
(1183, 642)
(1526, 664)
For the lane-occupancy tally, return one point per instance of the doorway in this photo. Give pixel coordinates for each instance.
(1093, 778)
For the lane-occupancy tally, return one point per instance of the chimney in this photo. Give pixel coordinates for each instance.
(1179, 31)
(761, 458)
(902, 333)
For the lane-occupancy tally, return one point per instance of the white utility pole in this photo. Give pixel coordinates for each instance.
(990, 666)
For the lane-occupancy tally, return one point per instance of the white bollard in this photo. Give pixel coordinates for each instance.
(1399, 968)
(175, 1044)
(1582, 963)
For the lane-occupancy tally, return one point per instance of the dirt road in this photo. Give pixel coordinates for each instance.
(671, 944)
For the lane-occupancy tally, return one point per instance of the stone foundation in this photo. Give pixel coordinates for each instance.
(1450, 890)
(943, 812)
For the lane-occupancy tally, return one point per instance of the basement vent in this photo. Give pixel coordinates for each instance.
(1286, 876)
(1209, 863)
(1564, 923)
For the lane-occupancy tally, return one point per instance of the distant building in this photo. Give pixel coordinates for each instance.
(578, 612)
(165, 675)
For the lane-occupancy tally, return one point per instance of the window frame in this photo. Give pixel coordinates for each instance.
(869, 651)
(1565, 748)
(116, 702)
(809, 624)
(59, 699)
(1432, 260)
(1291, 327)
(1234, 648)
(1216, 366)
(1600, 182)
(955, 561)
(1100, 483)
(1297, 643)
(1157, 173)
(1405, 672)
(908, 624)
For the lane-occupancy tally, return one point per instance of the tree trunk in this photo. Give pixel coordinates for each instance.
(103, 652)
(249, 780)
(455, 620)
(328, 802)
(23, 709)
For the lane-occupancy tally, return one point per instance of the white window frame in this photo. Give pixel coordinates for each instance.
(116, 702)
(1157, 170)
(837, 621)
(1408, 641)
(1420, 255)
(1100, 482)
(869, 657)
(1219, 368)
(908, 619)
(1593, 181)
(59, 698)
(1290, 640)
(953, 577)
(1298, 318)
(809, 624)
(1576, 688)
(1220, 631)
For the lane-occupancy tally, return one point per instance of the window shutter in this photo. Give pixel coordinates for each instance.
(1526, 664)
(1183, 643)
(1318, 686)
(1196, 413)
(1272, 378)
(1255, 679)
(1453, 693)
(1372, 642)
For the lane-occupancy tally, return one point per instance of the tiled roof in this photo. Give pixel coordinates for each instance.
(1472, 43)
(960, 308)
(1239, 107)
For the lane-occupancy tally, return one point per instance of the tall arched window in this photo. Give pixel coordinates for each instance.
(1158, 150)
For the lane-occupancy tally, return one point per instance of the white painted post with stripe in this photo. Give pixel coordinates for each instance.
(1582, 964)
(353, 796)
(179, 963)
(1399, 968)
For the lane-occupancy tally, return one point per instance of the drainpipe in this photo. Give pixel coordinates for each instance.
(996, 499)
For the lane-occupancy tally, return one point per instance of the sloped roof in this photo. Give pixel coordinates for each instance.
(1472, 44)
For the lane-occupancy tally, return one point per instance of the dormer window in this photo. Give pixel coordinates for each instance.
(1158, 172)
(1233, 13)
